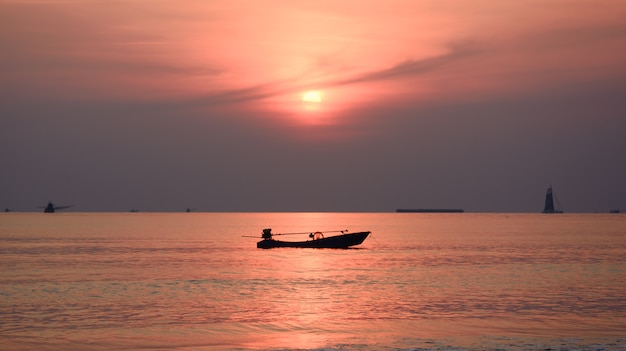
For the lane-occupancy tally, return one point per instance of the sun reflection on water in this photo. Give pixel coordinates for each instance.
(462, 278)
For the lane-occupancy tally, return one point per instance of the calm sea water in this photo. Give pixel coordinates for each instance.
(190, 281)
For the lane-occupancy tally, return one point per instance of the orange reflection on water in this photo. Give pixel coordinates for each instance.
(130, 282)
(310, 297)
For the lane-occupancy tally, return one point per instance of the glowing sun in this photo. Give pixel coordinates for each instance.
(312, 100)
(313, 96)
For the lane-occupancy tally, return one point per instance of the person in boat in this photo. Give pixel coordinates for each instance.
(316, 236)
(267, 234)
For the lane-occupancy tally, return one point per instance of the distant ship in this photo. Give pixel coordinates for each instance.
(429, 210)
(51, 208)
(549, 206)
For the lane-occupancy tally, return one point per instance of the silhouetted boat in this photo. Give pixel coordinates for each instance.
(51, 208)
(549, 206)
(429, 210)
(317, 240)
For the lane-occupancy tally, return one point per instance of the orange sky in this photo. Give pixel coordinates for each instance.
(359, 52)
(398, 74)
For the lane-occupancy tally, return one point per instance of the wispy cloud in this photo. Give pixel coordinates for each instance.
(411, 68)
(403, 70)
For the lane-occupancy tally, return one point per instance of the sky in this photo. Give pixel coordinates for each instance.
(312, 105)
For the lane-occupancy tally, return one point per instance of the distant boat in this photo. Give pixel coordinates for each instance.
(317, 240)
(429, 210)
(549, 206)
(51, 208)
(615, 210)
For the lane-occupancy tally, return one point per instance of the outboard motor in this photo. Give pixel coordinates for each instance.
(267, 233)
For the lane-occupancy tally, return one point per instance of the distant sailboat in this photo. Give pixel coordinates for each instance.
(549, 207)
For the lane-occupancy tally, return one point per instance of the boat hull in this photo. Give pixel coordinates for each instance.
(343, 241)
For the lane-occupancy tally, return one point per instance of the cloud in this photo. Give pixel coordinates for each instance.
(411, 68)
(407, 69)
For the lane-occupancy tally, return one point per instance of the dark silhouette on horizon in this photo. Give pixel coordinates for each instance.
(51, 208)
(549, 205)
(430, 210)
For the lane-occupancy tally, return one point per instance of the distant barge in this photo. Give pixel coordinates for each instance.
(430, 210)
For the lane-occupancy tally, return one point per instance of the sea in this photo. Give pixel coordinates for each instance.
(420, 281)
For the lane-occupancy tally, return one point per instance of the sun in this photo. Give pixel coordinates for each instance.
(312, 100)
(312, 96)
